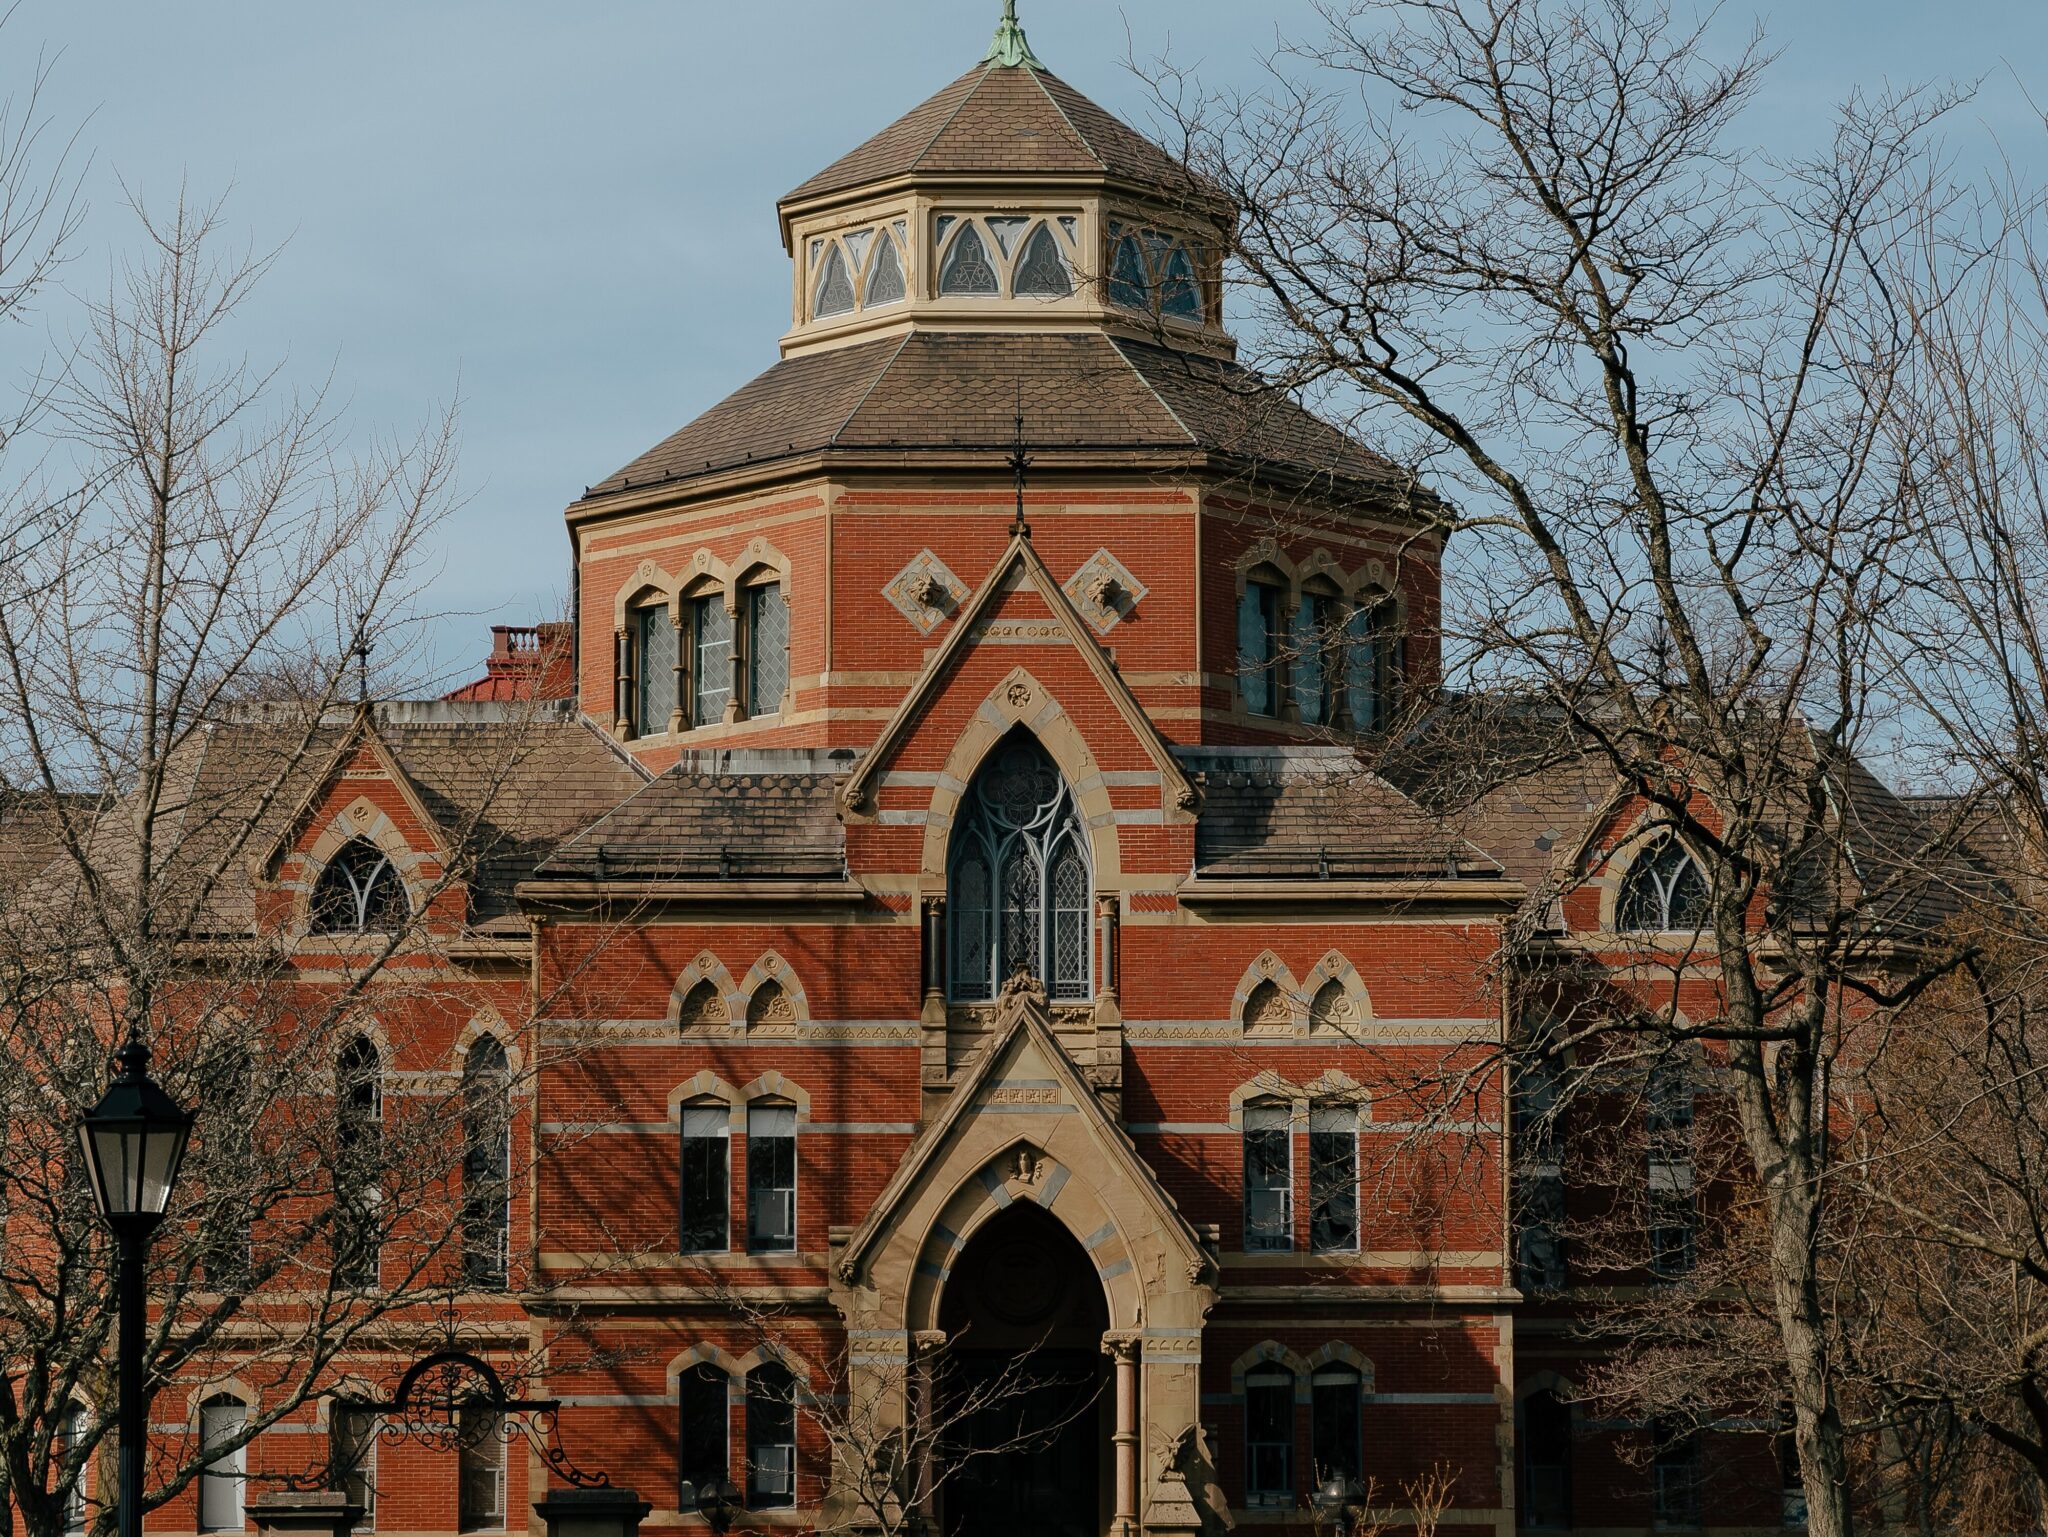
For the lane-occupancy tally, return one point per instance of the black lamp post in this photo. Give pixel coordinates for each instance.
(717, 1500)
(133, 1140)
(1339, 1500)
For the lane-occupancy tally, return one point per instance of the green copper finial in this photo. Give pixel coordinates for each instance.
(1010, 49)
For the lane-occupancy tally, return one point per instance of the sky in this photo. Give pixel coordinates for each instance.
(564, 215)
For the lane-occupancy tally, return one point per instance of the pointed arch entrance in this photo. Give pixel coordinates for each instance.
(1027, 1387)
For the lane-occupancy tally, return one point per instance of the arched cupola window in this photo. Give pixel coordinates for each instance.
(1018, 880)
(359, 892)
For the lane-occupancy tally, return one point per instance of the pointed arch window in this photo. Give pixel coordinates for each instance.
(885, 272)
(486, 1164)
(835, 287)
(1041, 271)
(1019, 879)
(771, 1437)
(654, 672)
(1269, 1436)
(1663, 891)
(359, 891)
(967, 269)
(359, 1151)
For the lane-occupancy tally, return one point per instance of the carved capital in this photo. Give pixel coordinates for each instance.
(1120, 1345)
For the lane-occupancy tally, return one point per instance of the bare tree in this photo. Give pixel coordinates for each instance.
(1650, 375)
(347, 1173)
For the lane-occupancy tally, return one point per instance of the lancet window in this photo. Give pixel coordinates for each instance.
(1157, 271)
(858, 269)
(359, 892)
(1018, 879)
(1005, 256)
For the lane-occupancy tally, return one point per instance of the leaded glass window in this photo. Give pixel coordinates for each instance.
(1315, 656)
(654, 685)
(1127, 283)
(1369, 663)
(1019, 880)
(1258, 648)
(359, 892)
(1042, 271)
(1663, 891)
(1007, 229)
(1179, 294)
(885, 275)
(857, 243)
(767, 648)
(710, 659)
(835, 287)
(967, 269)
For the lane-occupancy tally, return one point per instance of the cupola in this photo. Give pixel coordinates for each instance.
(1007, 201)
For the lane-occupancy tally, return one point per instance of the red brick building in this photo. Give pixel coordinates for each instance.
(963, 925)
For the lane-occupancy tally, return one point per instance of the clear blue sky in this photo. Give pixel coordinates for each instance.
(567, 211)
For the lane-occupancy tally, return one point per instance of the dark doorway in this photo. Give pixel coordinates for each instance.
(1026, 1381)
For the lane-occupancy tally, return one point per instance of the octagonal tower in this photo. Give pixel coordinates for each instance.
(1006, 261)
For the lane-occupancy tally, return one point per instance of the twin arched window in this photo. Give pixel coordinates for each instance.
(1152, 270)
(866, 262)
(1005, 255)
(359, 891)
(1663, 891)
(1017, 879)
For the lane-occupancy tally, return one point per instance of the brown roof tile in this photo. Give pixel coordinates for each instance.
(937, 390)
(1004, 119)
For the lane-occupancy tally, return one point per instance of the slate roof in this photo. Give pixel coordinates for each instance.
(1316, 813)
(505, 783)
(951, 390)
(1003, 119)
(759, 815)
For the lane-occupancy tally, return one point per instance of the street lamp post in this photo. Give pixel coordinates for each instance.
(717, 1500)
(133, 1141)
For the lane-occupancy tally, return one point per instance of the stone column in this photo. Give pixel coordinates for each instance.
(927, 1345)
(1122, 1348)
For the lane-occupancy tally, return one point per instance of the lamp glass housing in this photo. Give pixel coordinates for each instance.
(133, 1141)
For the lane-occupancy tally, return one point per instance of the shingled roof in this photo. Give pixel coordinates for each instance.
(1002, 118)
(761, 815)
(1316, 813)
(934, 391)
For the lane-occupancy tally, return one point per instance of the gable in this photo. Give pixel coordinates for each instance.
(1018, 632)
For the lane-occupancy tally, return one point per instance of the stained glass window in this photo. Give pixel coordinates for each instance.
(767, 648)
(1007, 229)
(1258, 648)
(359, 892)
(1018, 879)
(710, 659)
(1041, 271)
(1128, 285)
(654, 683)
(885, 275)
(1179, 294)
(1370, 652)
(1662, 892)
(835, 288)
(967, 269)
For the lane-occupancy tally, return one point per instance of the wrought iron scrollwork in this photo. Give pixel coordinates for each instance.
(455, 1398)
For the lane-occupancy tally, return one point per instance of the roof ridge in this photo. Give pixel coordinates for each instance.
(873, 385)
(1150, 388)
(1038, 78)
(987, 68)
